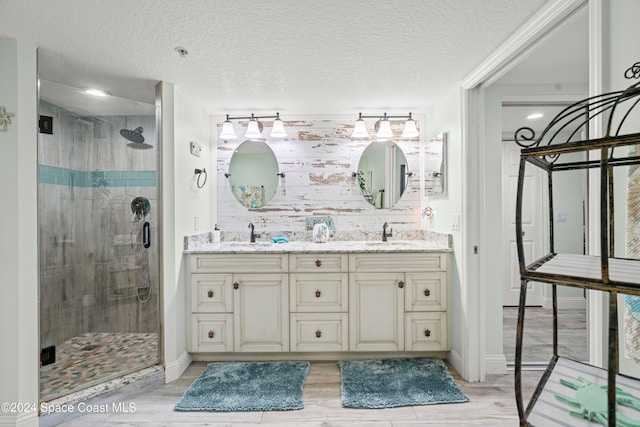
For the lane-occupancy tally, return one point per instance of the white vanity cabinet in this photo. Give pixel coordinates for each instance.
(398, 302)
(239, 302)
(318, 302)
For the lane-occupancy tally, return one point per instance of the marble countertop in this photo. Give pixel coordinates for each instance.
(312, 247)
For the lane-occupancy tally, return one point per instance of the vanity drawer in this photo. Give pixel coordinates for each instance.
(239, 263)
(319, 331)
(325, 292)
(399, 261)
(308, 263)
(211, 293)
(211, 332)
(426, 332)
(426, 292)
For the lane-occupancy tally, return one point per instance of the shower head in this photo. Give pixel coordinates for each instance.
(134, 136)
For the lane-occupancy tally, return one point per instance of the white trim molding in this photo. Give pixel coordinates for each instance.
(495, 364)
(173, 370)
(20, 420)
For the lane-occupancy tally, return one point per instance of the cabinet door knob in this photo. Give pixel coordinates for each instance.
(318, 333)
(427, 333)
(210, 294)
(401, 284)
(211, 334)
(318, 263)
(236, 285)
(318, 294)
(427, 292)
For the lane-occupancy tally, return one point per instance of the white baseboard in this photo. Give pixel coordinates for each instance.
(173, 370)
(19, 420)
(455, 360)
(495, 364)
(565, 303)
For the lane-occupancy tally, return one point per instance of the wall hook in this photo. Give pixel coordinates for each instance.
(227, 175)
(281, 174)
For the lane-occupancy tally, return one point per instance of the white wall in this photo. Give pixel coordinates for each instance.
(182, 122)
(19, 360)
(446, 117)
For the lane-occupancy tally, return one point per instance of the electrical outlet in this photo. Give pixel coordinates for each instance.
(196, 148)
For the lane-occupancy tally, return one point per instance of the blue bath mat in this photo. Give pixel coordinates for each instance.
(247, 386)
(397, 382)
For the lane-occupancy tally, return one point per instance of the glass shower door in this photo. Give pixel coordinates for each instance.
(98, 225)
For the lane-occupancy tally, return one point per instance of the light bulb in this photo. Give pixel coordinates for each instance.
(360, 129)
(253, 129)
(410, 130)
(384, 129)
(277, 131)
(227, 131)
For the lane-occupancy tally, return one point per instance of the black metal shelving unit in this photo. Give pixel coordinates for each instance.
(565, 382)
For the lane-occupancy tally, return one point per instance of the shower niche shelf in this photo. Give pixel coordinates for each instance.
(610, 160)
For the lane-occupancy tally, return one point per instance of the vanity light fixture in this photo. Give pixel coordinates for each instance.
(383, 126)
(254, 127)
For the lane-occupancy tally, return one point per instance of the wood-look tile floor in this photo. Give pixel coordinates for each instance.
(538, 334)
(492, 403)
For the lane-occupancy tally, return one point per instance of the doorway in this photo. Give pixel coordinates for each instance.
(570, 230)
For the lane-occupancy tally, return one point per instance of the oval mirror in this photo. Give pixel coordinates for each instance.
(383, 174)
(253, 174)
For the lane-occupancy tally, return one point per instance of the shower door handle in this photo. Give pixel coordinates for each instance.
(146, 235)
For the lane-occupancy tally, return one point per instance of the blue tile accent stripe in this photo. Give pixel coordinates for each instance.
(76, 178)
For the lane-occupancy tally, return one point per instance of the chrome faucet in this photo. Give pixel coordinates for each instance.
(384, 232)
(252, 238)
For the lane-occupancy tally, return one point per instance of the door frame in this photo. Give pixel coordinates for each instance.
(474, 363)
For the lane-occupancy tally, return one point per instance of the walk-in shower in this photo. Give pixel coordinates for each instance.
(99, 273)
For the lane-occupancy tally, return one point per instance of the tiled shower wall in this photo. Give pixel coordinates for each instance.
(318, 158)
(91, 256)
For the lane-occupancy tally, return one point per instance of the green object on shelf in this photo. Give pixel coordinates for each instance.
(591, 400)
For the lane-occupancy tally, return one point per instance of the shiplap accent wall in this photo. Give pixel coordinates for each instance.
(318, 158)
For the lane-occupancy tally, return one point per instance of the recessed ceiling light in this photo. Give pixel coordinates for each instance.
(97, 92)
(534, 116)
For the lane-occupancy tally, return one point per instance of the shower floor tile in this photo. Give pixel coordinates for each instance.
(89, 359)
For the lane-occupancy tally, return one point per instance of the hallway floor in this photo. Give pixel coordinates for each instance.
(93, 358)
(492, 403)
(538, 334)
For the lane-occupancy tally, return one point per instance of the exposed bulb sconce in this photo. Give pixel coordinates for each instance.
(383, 127)
(254, 127)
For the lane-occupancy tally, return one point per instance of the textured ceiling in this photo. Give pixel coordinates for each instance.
(293, 56)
